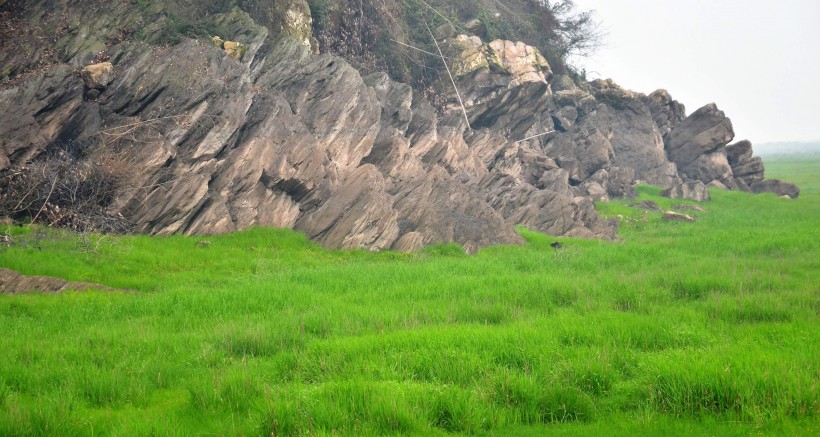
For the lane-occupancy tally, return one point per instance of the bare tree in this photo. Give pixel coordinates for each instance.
(580, 34)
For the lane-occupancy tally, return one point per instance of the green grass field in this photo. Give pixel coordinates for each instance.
(705, 328)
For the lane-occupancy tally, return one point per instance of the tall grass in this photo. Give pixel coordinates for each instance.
(684, 328)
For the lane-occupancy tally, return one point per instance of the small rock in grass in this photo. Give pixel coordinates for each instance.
(647, 205)
(688, 208)
(676, 216)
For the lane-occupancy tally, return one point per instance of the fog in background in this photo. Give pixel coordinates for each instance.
(758, 60)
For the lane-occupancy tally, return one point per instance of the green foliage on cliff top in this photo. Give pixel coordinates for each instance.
(708, 328)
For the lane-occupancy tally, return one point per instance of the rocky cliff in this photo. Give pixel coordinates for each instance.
(207, 133)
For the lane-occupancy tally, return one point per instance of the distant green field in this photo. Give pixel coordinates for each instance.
(705, 328)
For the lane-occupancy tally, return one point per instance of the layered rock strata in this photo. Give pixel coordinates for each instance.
(214, 141)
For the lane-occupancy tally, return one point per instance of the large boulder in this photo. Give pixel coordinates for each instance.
(504, 85)
(747, 169)
(98, 76)
(707, 168)
(777, 187)
(631, 130)
(738, 152)
(519, 62)
(705, 131)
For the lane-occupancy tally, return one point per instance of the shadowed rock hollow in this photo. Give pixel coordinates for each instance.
(211, 140)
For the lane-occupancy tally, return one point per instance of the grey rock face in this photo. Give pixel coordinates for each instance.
(709, 167)
(621, 182)
(666, 112)
(283, 137)
(747, 169)
(688, 190)
(707, 130)
(738, 152)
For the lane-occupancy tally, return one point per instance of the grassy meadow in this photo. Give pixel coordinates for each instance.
(705, 328)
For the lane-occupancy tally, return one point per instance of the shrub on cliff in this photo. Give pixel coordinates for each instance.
(368, 33)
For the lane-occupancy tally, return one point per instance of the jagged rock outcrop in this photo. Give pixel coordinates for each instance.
(747, 169)
(213, 139)
(666, 112)
(697, 145)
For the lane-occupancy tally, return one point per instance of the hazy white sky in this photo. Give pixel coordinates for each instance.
(758, 60)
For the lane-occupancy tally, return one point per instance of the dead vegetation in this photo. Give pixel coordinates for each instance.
(64, 190)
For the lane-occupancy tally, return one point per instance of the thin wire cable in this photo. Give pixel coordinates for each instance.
(463, 109)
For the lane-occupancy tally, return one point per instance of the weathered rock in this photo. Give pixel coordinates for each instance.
(98, 76)
(565, 117)
(38, 111)
(666, 112)
(232, 48)
(359, 214)
(471, 57)
(706, 131)
(409, 242)
(647, 205)
(718, 185)
(595, 191)
(777, 187)
(621, 182)
(684, 207)
(504, 85)
(750, 170)
(747, 169)
(443, 210)
(523, 62)
(582, 151)
(738, 152)
(688, 190)
(676, 216)
(548, 211)
(279, 136)
(707, 168)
